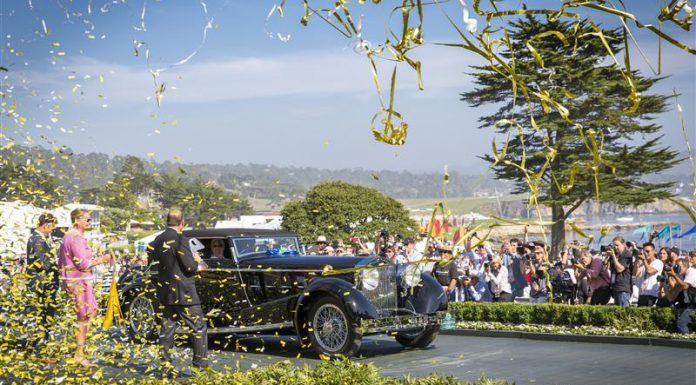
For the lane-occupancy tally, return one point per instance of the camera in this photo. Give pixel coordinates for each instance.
(485, 265)
(669, 268)
(661, 278)
(384, 233)
(520, 250)
(574, 261)
(606, 248)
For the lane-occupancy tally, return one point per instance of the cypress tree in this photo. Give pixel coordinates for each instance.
(583, 78)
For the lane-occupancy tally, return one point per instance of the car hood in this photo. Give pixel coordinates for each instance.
(302, 262)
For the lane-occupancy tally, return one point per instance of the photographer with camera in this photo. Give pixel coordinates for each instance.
(446, 273)
(517, 272)
(496, 275)
(646, 269)
(594, 282)
(539, 284)
(686, 281)
(381, 243)
(410, 253)
(668, 292)
(474, 289)
(621, 265)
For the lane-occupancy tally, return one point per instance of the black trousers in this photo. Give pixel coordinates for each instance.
(504, 297)
(193, 317)
(42, 308)
(601, 296)
(646, 300)
(585, 291)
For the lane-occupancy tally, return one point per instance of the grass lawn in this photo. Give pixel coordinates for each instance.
(462, 205)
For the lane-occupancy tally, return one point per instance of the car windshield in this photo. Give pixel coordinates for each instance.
(266, 245)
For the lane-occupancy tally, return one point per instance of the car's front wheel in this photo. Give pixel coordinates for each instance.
(331, 331)
(142, 318)
(418, 339)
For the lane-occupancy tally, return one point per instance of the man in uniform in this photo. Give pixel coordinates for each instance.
(176, 290)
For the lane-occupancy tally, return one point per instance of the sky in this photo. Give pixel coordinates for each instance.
(248, 96)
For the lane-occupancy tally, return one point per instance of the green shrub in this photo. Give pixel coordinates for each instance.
(642, 318)
(326, 373)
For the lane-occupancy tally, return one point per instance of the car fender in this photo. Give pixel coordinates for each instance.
(429, 298)
(357, 305)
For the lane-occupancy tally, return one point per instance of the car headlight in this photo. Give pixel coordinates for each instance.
(412, 274)
(369, 279)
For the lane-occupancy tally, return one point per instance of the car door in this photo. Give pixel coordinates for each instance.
(220, 288)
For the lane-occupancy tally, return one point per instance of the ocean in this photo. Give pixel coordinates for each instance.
(627, 229)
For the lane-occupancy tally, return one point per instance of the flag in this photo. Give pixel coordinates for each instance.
(446, 226)
(688, 232)
(437, 228)
(643, 231)
(676, 229)
(663, 233)
(458, 236)
(113, 305)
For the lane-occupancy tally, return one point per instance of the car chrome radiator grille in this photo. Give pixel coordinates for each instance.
(384, 296)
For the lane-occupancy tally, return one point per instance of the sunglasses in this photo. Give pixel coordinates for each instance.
(218, 246)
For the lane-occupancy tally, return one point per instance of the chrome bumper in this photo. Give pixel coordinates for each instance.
(400, 322)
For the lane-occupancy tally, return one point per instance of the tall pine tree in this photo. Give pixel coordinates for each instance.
(583, 79)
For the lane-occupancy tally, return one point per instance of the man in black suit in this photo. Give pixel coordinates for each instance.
(43, 282)
(176, 289)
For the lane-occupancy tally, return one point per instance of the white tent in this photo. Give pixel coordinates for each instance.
(473, 217)
(16, 221)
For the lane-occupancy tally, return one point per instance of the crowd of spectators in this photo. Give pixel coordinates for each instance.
(620, 273)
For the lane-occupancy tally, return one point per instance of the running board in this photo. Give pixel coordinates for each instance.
(250, 329)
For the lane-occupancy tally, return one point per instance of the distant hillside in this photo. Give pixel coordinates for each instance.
(276, 184)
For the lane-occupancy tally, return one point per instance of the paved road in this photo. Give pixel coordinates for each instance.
(519, 360)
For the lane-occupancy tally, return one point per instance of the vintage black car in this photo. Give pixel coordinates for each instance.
(262, 283)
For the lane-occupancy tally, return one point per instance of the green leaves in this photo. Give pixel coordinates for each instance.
(339, 210)
(642, 318)
(203, 203)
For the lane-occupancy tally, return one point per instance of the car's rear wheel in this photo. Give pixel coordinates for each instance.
(142, 317)
(418, 339)
(331, 331)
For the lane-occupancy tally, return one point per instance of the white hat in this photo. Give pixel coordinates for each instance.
(321, 239)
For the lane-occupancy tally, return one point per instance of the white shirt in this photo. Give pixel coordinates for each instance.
(499, 283)
(649, 284)
(689, 278)
(415, 256)
(480, 293)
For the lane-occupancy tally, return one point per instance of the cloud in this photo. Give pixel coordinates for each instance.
(302, 73)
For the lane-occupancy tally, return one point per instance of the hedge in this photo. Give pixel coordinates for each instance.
(643, 318)
(339, 372)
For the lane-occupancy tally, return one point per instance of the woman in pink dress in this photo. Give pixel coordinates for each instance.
(75, 262)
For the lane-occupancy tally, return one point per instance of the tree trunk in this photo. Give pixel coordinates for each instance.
(557, 232)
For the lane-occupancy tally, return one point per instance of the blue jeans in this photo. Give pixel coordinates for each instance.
(539, 299)
(622, 298)
(517, 292)
(684, 320)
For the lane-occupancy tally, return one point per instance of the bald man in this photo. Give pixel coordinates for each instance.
(176, 290)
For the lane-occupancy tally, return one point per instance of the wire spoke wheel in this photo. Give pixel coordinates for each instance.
(142, 316)
(330, 327)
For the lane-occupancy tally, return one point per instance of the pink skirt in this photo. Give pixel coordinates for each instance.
(81, 293)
